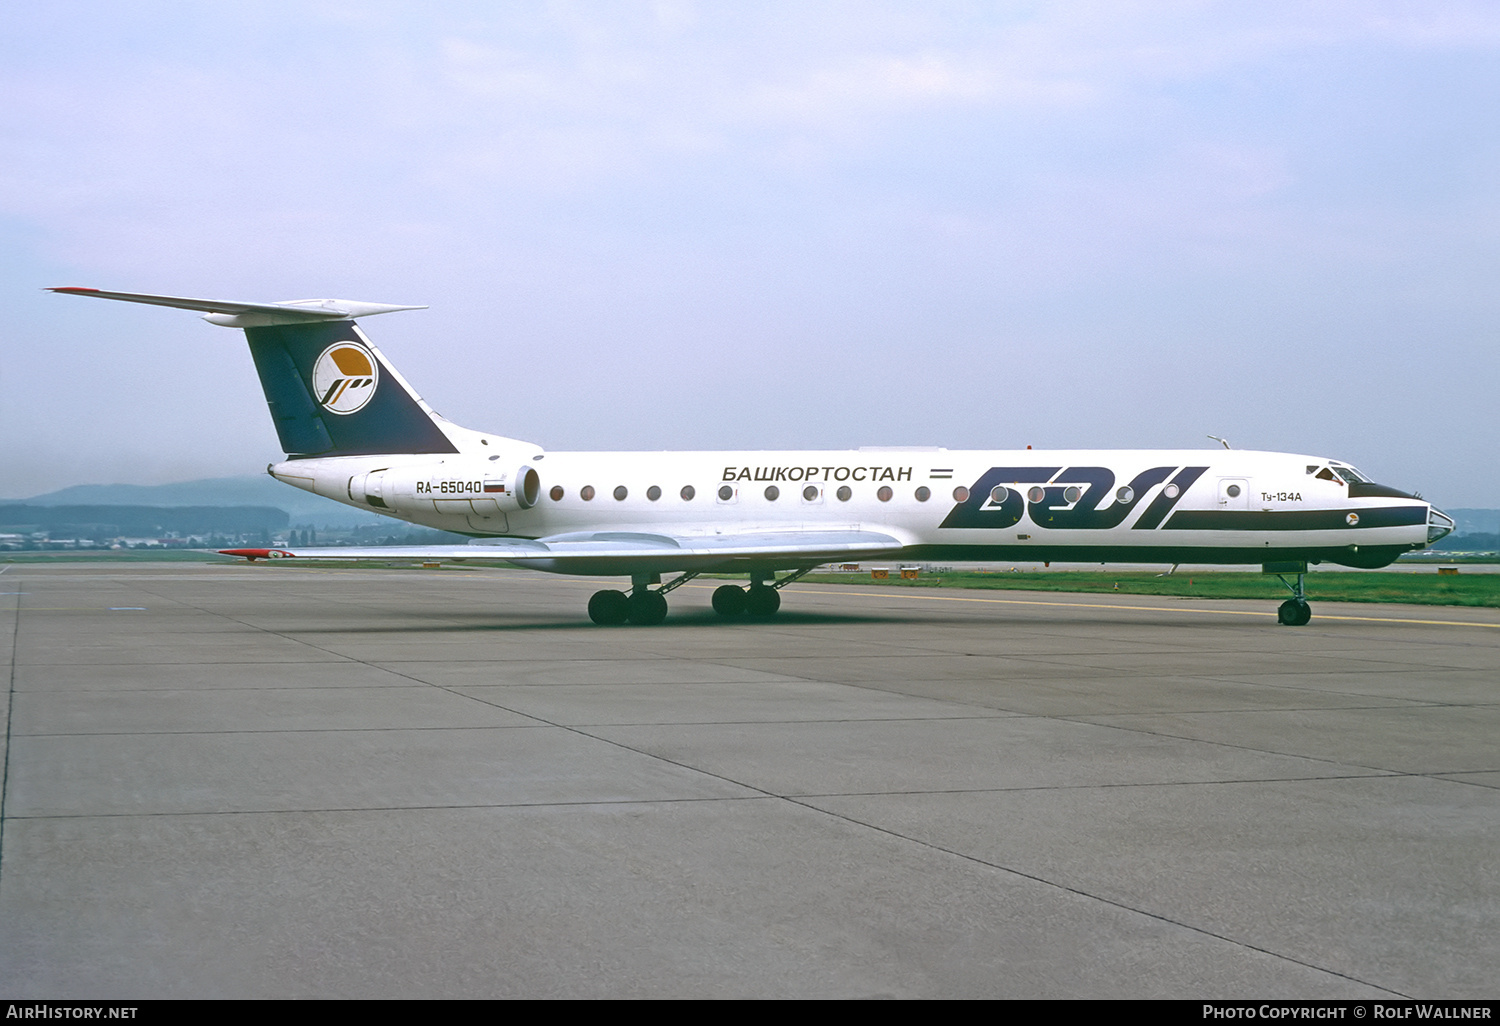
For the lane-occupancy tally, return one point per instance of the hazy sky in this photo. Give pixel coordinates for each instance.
(754, 225)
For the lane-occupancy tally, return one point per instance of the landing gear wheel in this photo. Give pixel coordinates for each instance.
(729, 600)
(762, 602)
(609, 608)
(647, 608)
(1294, 612)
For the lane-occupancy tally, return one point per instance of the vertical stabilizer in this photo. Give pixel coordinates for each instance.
(331, 393)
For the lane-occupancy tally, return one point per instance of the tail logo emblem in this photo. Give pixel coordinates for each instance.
(344, 378)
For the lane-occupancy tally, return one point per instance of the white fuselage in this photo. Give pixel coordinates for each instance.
(362, 436)
(1219, 506)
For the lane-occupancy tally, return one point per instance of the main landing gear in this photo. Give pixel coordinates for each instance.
(642, 607)
(1294, 612)
(760, 601)
(647, 607)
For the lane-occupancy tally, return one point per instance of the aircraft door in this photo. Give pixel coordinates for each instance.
(487, 522)
(1234, 493)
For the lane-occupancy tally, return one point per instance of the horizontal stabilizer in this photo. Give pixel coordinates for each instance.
(231, 314)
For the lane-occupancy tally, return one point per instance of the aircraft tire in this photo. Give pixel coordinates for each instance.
(1294, 613)
(647, 608)
(609, 608)
(729, 600)
(762, 602)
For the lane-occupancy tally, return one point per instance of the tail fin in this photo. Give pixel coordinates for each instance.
(330, 391)
(332, 394)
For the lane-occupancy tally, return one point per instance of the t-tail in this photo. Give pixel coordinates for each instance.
(330, 391)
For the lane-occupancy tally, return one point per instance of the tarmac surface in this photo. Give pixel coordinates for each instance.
(266, 781)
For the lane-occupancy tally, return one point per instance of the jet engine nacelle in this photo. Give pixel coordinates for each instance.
(479, 493)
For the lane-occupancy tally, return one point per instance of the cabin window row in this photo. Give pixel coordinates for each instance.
(997, 496)
(844, 493)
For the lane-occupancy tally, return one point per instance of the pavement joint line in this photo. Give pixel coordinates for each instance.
(1031, 602)
(1068, 888)
(559, 804)
(279, 730)
(539, 719)
(10, 708)
(362, 662)
(1103, 786)
(999, 715)
(761, 792)
(1153, 609)
(1074, 718)
(907, 593)
(1449, 778)
(1004, 869)
(798, 798)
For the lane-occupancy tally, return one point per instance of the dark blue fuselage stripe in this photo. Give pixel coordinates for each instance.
(1162, 504)
(1294, 519)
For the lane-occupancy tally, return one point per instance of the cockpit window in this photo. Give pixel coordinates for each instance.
(1350, 475)
(1326, 475)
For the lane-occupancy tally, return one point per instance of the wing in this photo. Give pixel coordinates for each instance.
(612, 553)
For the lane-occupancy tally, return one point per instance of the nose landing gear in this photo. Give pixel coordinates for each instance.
(1294, 612)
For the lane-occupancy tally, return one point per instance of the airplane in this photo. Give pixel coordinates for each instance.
(355, 431)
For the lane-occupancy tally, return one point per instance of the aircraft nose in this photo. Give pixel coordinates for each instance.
(1439, 525)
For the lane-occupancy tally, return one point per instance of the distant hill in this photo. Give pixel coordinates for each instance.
(107, 522)
(1475, 521)
(302, 508)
